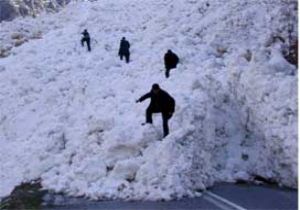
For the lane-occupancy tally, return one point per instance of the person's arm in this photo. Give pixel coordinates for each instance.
(177, 58)
(165, 58)
(172, 105)
(85, 34)
(144, 97)
(120, 48)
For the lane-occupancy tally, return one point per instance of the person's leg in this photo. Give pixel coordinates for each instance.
(88, 41)
(165, 119)
(121, 56)
(149, 112)
(167, 72)
(82, 42)
(127, 57)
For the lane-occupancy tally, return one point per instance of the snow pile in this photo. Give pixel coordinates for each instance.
(269, 112)
(69, 117)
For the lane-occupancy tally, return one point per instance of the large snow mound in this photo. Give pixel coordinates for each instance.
(69, 117)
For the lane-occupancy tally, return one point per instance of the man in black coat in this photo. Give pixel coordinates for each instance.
(171, 61)
(124, 49)
(161, 102)
(86, 38)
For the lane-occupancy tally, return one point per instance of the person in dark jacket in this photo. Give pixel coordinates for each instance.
(86, 38)
(161, 102)
(171, 61)
(124, 50)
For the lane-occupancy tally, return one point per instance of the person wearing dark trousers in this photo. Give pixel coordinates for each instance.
(124, 50)
(161, 102)
(171, 60)
(86, 38)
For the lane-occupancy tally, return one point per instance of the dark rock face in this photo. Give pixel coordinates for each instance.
(9, 9)
(25, 196)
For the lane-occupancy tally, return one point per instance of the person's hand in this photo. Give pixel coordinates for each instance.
(137, 101)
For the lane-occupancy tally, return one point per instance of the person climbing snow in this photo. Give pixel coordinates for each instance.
(161, 102)
(171, 61)
(86, 38)
(124, 49)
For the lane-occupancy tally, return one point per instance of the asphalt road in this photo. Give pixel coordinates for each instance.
(258, 197)
(220, 197)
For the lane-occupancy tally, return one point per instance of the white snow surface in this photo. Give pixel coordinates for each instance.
(69, 117)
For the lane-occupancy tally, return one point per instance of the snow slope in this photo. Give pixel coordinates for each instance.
(69, 117)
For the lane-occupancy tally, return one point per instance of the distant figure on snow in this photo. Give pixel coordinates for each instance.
(86, 38)
(161, 102)
(124, 49)
(171, 61)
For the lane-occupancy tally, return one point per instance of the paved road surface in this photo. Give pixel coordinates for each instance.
(258, 197)
(221, 197)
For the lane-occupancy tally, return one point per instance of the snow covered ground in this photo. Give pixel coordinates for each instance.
(69, 117)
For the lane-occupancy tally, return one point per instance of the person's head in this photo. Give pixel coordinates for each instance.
(123, 38)
(85, 30)
(155, 88)
(169, 51)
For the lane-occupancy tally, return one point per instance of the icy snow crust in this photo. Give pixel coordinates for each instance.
(69, 117)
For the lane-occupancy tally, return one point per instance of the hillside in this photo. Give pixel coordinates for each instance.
(11, 9)
(69, 117)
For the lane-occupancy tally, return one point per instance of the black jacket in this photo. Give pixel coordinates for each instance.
(161, 101)
(124, 47)
(86, 35)
(171, 60)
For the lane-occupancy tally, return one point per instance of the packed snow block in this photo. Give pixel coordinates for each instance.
(121, 151)
(175, 167)
(126, 169)
(91, 169)
(267, 98)
(124, 144)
